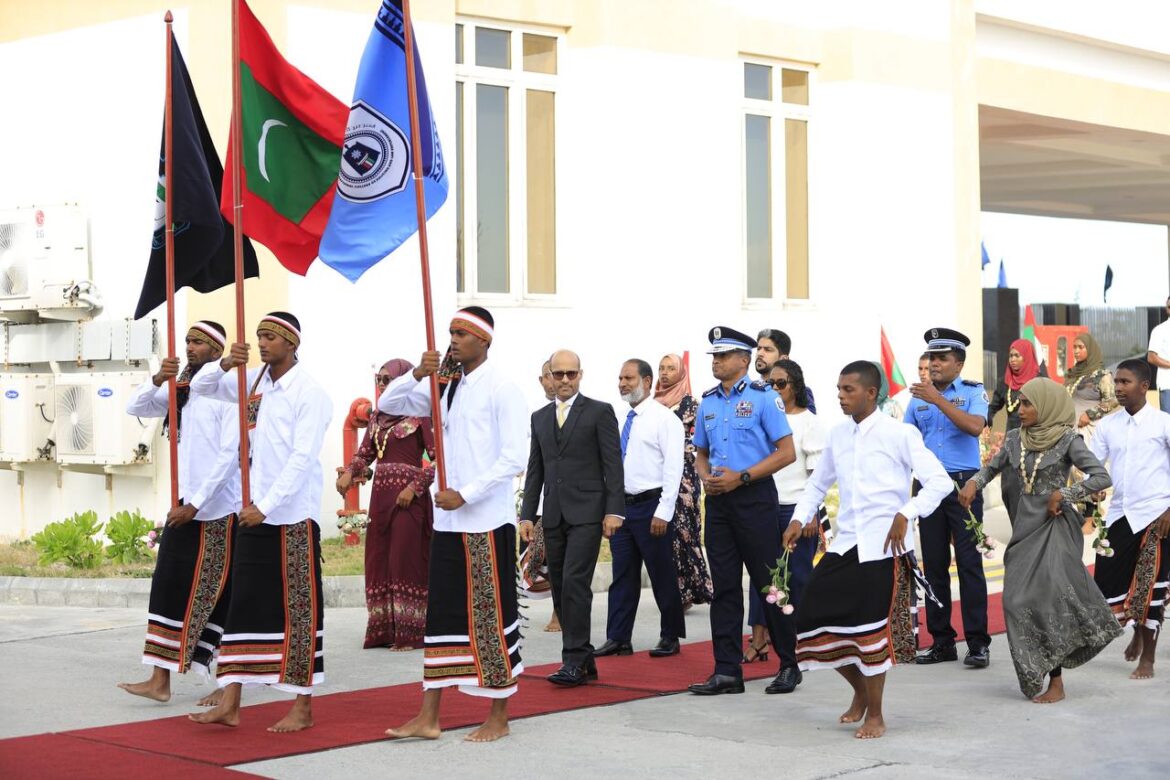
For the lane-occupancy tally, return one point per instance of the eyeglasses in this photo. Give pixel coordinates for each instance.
(380, 379)
(559, 375)
(779, 384)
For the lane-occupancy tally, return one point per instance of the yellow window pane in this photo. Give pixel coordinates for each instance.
(794, 86)
(542, 223)
(540, 54)
(796, 205)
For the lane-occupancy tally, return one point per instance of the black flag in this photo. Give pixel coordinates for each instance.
(204, 251)
(1108, 281)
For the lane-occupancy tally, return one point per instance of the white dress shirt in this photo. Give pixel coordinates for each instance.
(285, 445)
(1137, 451)
(873, 462)
(485, 437)
(809, 433)
(209, 448)
(1160, 346)
(654, 454)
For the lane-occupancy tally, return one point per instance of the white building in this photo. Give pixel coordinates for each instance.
(637, 171)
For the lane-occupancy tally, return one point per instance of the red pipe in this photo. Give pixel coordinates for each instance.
(358, 417)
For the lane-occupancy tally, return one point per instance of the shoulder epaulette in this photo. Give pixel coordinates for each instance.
(711, 391)
(972, 383)
(760, 384)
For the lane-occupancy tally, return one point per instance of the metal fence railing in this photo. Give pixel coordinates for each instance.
(1120, 332)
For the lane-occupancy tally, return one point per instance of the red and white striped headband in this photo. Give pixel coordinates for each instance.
(474, 324)
(202, 331)
(281, 327)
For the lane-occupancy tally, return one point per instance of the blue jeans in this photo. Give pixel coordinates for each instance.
(1164, 400)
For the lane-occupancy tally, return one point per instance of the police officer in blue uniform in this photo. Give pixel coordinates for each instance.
(951, 412)
(742, 438)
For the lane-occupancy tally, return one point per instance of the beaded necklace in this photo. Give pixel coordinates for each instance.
(1011, 407)
(1029, 480)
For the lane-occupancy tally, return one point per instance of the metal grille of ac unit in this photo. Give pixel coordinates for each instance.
(74, 420)
(13, 265)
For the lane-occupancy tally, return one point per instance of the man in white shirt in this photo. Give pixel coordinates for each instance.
(1135, 445)
(855, 613)
(188, 601)
(274, 634)
(472, 636)
(1159, 357)
(652, 441)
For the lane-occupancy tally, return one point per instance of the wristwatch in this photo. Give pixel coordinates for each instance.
(745, 478)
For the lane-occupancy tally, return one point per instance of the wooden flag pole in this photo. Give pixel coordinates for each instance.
(237, 144)
(423, 251)
(169, 232)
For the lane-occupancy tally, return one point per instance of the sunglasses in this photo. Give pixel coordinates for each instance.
(779, 384)
(380, 379)
(559, 375)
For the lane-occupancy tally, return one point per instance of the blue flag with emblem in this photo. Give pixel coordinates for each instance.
(374, 208)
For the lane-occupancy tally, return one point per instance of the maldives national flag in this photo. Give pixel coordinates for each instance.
(1029, 333)
(890, 367)
(292, 135)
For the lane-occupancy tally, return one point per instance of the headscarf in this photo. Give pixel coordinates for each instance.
(671, 396)
(395, 368)
(1094, 360)
(1029, 369)
(1055, 414)
(884, 390)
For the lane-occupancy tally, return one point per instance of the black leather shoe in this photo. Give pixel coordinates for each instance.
(572, 676)
(937, 654)
(786, 681)
(716, 684)
(664, 648)
(978, 657)
(614, 648)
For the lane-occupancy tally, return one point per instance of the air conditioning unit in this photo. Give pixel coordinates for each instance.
(44, 265)
(90, 424)
(26, 417)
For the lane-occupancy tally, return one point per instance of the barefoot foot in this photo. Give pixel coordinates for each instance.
(148, 689)
(415, 728)
(488, 732)
(294, 721)
(1134, 649)
(224, 716)
(405, 649)
(212, 699)
(872, 728)
(855, 712)
(554, 625)
(1050, 696)
(1144, 671)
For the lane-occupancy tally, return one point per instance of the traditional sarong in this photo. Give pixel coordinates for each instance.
(274, 634)
(1134, 579)
(189, 595)
(534, 581)
(473, 626)
(856, 613)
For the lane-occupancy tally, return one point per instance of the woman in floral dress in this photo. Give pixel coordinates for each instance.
(399, 534)
(674, 392)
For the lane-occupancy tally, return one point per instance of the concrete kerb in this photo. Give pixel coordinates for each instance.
(113, 592)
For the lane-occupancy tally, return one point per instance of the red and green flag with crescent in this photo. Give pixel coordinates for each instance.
(890, 367)
(292, 135)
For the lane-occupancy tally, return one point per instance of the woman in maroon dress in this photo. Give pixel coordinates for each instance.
(398, 537)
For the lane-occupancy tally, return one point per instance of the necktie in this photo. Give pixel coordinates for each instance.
(626, 431)
(562, 411)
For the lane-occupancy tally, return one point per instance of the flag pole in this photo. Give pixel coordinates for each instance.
(423, 250)
(237, 145)
(169, 232)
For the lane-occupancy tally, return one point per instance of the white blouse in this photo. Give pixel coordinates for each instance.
(809, 433)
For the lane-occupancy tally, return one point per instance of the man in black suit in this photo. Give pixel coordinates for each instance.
(576, 462)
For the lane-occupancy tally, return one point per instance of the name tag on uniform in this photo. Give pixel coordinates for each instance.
(743, 409)
(709, 417)
(959, 401)
(923, 408)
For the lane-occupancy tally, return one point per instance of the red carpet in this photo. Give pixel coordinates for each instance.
(176, 746)
(995, 621)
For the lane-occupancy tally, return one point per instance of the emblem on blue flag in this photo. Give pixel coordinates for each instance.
(375, 157)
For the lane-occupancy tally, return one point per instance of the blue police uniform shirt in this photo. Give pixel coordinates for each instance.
(957, 450)
(740, 428)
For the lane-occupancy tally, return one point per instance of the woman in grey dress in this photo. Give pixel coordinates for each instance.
(1056, 615)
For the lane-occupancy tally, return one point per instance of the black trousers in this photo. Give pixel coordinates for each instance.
(631, 546)
(938, 531)
(743, 530)
(572, 556)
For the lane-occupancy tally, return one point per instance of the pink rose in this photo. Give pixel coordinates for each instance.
(773, 590)
(787, 609)
(770, 598)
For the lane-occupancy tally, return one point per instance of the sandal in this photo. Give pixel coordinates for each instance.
(760, 653)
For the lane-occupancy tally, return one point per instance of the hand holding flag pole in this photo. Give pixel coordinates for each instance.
(424, 256)
(168, 205)
(237, 135)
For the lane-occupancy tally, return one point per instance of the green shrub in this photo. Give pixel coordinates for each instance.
(71, 540)
(127, 534)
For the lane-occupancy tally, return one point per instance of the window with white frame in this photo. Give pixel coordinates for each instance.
(775, 180)
(505, 160)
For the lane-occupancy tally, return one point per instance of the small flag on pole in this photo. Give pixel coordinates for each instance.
(986, 261)
(204, 259)
(1029, 332)
(1108, 281)
(893, 374)
(1002, 275)
(374, 210)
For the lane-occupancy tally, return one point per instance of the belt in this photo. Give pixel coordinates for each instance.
(962, 476)
(644, 496)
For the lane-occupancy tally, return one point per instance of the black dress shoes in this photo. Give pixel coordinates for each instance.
(614, 648)
(664, 648)
(978, 656)
(716, 684)
(572, 676)
(937, 654)
(786, 681)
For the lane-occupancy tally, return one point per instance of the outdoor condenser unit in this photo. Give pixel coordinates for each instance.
(26, 417)
(90, 423)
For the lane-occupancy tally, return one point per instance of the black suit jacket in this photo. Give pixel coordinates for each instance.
(578, 468)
